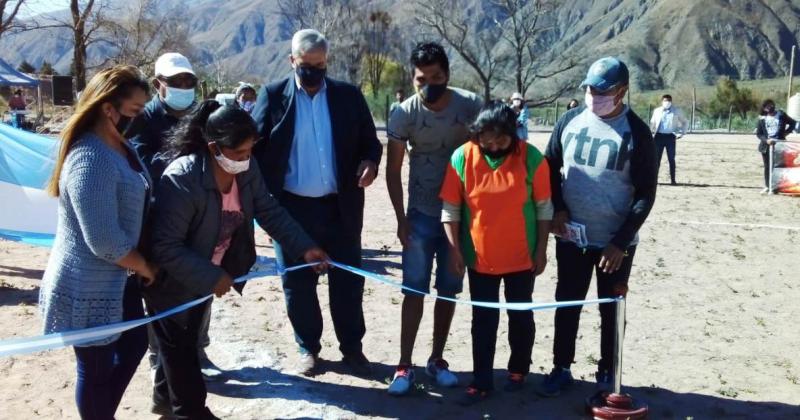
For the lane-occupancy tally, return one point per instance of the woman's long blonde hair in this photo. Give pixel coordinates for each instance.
(110, 85)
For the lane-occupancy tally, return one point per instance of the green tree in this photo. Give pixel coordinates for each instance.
(26, 67)
(729, 96)
(47, 69)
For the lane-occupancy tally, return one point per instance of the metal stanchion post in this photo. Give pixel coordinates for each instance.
(616, 405)
(618, 340)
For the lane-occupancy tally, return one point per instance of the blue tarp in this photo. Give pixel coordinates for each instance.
(11, 77)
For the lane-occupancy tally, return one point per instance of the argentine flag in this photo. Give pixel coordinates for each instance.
(27, 213)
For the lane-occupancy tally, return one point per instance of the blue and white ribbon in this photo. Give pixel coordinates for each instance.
(24, 345)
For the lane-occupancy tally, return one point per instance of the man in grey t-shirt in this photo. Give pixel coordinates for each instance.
(430, 125)
(603, 174)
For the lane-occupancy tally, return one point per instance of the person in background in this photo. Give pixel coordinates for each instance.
(399, 97)
(246, 97)
(203, 238)
(17, 103)
(521, 109)
(603, 173)
(773, 125)
(573, 103)
(430, 125)
(318, 151)
(175, 83)
(668, 124)
(496, 214)
(103, 195)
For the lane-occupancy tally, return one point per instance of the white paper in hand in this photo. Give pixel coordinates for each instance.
(576, 233)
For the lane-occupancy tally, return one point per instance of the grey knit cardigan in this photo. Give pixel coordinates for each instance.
(100, 213)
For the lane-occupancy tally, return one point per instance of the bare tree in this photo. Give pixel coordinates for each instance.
(8, 16)
(145, 32)
(377, 49)
(87, 22)
(520, 25)
(458, 28)
(341, 21)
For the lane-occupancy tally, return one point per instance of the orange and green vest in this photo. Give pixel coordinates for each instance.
(498, 205)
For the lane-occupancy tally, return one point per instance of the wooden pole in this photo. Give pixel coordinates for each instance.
(694, 107)
(791, 74)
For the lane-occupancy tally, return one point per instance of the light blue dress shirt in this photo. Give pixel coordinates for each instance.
(312, 166)
(666, 126)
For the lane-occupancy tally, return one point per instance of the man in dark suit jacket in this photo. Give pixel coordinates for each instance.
(318, 150)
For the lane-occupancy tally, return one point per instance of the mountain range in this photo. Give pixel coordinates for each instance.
(665, 42)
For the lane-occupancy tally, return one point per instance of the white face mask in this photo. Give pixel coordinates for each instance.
(517, 102)
(667, 104)
(231, 166)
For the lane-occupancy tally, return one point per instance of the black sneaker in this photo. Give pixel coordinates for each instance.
(605, 380)
(558, 380)
(358, 363)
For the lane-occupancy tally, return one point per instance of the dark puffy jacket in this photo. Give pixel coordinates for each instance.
(185, 227)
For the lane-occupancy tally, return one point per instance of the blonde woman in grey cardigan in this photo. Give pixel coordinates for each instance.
(103, 191)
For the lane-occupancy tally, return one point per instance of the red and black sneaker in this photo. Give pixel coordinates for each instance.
(472, 396)
(515, 382)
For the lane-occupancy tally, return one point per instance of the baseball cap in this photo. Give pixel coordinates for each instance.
(606, 73)
(171, 64)
(516, 95)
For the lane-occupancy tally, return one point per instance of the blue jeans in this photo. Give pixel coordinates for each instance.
(105, 371)
(426, 242)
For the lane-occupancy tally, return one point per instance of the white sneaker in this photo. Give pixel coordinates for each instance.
(765, 190)
(439, 369)
(403, 380)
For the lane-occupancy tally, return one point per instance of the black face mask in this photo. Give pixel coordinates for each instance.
(431, 93)
(310, 76)
(123, 123)
(769, 109)
(497, 154)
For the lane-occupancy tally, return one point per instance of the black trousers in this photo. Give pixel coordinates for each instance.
(666, 141)
(575, 267)
(767, 168)
(178, 376)
(521, 329)
(322, 220)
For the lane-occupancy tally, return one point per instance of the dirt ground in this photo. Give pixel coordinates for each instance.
(712, 320)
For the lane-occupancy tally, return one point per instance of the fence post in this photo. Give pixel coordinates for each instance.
(694, 107)
(386, 113)
(557, 110)
(730, 116)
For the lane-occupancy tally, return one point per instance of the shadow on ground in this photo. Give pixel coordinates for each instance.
(429, 402)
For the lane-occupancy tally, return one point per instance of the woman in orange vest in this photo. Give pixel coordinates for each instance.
(496, 215)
